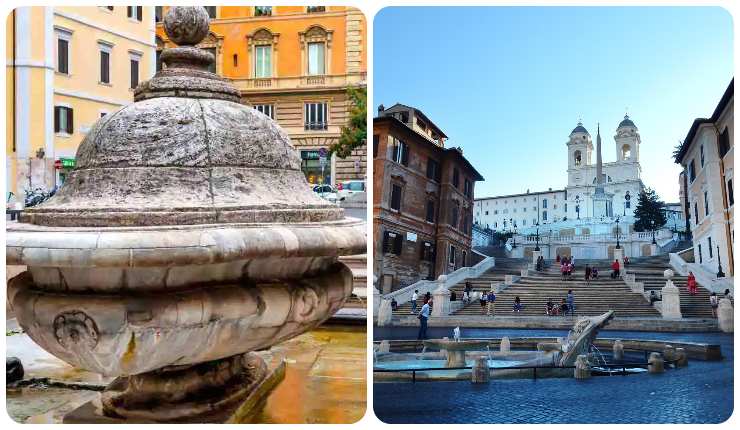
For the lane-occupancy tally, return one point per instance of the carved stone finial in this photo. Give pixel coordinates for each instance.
(186, 25)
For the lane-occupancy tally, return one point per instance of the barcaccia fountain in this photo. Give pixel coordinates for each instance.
(185, 239)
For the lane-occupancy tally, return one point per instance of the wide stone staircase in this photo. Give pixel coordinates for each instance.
(504, 266)
(594, 298)
(649, 271)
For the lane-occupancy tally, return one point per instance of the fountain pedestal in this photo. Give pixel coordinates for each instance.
(455, 350)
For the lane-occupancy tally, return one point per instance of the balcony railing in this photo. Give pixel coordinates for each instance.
(293, 82)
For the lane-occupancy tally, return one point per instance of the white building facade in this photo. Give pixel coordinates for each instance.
(520, 211)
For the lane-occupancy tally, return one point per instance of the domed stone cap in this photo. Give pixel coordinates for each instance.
(192, 158)
(579, 129)
(626, 122)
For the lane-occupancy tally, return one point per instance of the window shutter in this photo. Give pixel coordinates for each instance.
(395, 153)
(398, 244)
(139, 12)
(134, 73)
(405, 155)
(56, 119)
(70, 121)
(385, 242)
(129, 11)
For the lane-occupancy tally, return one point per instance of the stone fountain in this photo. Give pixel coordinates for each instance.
(455, 349)
(185, 239)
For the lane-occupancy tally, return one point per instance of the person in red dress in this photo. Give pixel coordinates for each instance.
(691, 284)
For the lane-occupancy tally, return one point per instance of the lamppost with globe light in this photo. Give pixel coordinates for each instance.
(513, 224)
(537, 238)
(720, 273)
(617, 233)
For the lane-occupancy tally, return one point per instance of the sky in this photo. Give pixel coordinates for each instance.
(509, 84)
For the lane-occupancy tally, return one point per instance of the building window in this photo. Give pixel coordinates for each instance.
(392, 243)
(396, 197)
(577, 158)
(467, 188)
(235, 60)
(700, 258)
(266, 109)
(263, 61)
(105, 50)
(724, 143)
(316, 58)
(544, 215)
(696, 213)
(495, 212)
(706, 204)
(692, 172)
(452, 255)
(430, 210)
(63, 120)
(709, 244)
(211, 11)
(134, 60)
(63, 38)
(544, 203)
(376, 143)
(455, 177)
(434, 171)
(158, 13)
(454, 214)
(315, 9)
(701, 155)
(316, 116)
(401, 153)
(135, 12)
(427, 251)
(730, 195)
(262, 10)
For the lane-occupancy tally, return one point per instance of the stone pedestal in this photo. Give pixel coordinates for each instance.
(682, 360)
(725, 316)
(480, 374)
(455, 358)
(671, 303)
(385, 346)
(535, 256)
(669, 354)
(619, 255)
(582, 369)
(385, 313)
(441, 297)
(654, 250)
(655, 363)
(505, 344)
(618, 350)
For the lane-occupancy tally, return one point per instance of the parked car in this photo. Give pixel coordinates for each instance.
(347, 188)
(325, 191)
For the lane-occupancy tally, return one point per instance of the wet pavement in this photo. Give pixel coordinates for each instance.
(325, 380)
(699, 393)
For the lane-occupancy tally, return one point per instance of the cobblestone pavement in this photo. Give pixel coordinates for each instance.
(699, 393)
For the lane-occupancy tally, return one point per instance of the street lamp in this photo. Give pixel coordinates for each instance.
(720, 273)
(626, 202)
(537, 238)
(652, 226)
(578, 207)
(618, 246)
(513, 223)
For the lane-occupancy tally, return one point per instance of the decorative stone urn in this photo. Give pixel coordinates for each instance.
(186, 237)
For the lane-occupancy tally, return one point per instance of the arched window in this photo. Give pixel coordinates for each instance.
(577, 158)
(626, 151)
(316, 50)
(262, 45)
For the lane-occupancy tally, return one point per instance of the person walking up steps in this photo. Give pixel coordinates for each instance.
(570, 299)
(691, 283)
(414, 298)
(714, 302)
(588, 274)
(491, 300)
(615, 269)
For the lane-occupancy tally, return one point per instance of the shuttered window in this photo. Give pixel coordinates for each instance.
(135, 12)
(105, 67)
(63, 56)
(396, 197)
(134, 73)
(63, 119)
(392, 243)
(430, 210)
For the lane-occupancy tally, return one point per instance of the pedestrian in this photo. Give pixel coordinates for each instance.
(549, 311)
(427, 297)
(626, 261)
(714, 302)
(491, 301)
(691, 283)
(594, 273)
(564, 269)
(570, 298)
(653, 297)
(517, 305)
(394, 304)
(615, 269)
(414, 298)
(563, 307)
(423, 317)
(557, 258)
(727, 295)
(483, 300)
(468, 290)
(588, 274)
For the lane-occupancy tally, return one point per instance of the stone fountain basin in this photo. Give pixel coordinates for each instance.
(452, 345)
(129, 334)
(120, 259)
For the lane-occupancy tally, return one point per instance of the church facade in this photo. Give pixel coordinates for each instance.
(580, 200)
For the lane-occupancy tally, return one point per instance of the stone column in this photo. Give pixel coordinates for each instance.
(385, 313)
(505, 344)
(618, 350)
(619, 255)
(441, 297)
(655, 363)
(725, 316)
(671, 303)
(480, 374)
(582, 369)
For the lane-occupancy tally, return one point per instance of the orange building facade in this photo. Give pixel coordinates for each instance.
(294, 64)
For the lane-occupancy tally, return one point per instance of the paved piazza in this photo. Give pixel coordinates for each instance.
(699, 393)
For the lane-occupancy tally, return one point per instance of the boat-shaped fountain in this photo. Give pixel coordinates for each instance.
(186, 238)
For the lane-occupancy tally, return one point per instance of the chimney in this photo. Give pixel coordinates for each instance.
(381, 108)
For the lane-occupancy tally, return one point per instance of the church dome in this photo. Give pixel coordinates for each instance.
(626, 122)
(579, 129)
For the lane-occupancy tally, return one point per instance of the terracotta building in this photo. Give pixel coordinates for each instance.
(294, 64)
(422, 200)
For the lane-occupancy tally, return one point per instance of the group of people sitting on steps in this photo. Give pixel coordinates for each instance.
(567, 264)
